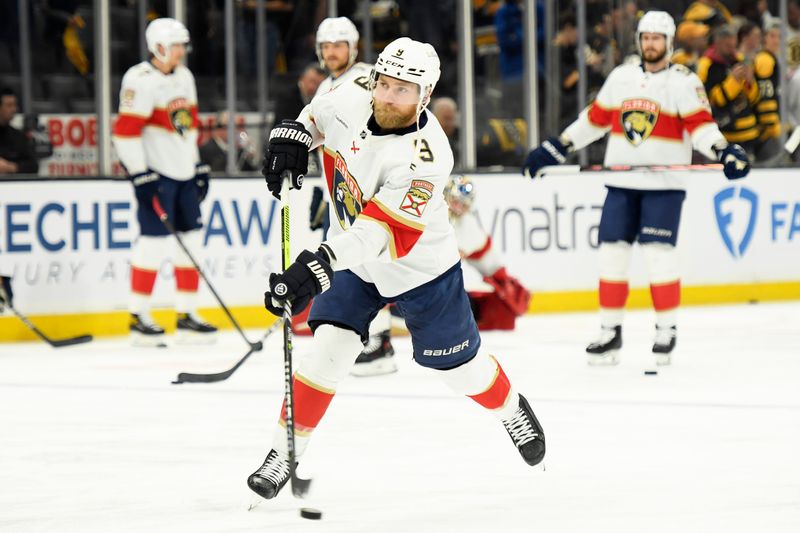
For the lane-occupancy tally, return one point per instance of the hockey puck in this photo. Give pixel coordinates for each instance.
(311, 514)
(651, 372)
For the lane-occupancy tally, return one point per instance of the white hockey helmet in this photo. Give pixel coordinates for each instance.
(334, 30)
(459, 193)
(412, 61)
(165, 32)
(656, 22)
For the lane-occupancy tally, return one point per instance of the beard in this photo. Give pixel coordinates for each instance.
(333, 65)
(391, 117)
(653, 56)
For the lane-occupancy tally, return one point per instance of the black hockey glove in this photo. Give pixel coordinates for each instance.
(551, 152)
(146, 186)
(309, 275)
(201, 180)
(735, 162)
(6, 294)
(287, 149)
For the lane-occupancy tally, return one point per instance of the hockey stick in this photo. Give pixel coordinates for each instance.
(299, 486)
(189, 377)
(162, 215)
(575, 169)
(55, 343)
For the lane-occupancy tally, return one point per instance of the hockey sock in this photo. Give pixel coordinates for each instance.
(315, 382)
(665, 285)
(381, 323)
(613, 287)
(146, 258)
(483, 380)
(187, 278)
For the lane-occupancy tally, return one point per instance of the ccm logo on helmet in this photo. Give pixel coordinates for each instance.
(447, 351)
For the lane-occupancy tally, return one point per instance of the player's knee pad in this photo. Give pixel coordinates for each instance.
(662, 262)
(333, 353)
(614, 260)
(472, 377)
(193, 240)
(149, 252)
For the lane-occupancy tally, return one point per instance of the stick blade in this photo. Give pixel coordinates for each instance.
(60, 343)
(300, 486)
(189, 377)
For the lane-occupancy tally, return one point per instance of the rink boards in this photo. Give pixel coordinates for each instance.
(68, 244)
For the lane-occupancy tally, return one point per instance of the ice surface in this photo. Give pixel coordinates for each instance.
(95, 438)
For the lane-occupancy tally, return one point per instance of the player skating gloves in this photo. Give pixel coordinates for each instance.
(145, 186)
(287, 149)
(201, 180)
(550, 152)
(6, 294)
(734, 159)
(309, 275)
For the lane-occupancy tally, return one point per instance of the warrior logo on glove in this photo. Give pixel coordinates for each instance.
(287, 150)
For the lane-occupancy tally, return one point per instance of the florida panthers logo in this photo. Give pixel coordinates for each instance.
(346, 194)
(639, 117)
(180, 115)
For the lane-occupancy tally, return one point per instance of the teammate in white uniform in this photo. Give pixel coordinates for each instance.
(509, 299)
(156, 139)
(387, 162)
(337, 50)
(656, 113)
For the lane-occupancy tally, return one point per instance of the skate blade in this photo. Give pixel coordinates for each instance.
(194, 338)
(378, 367)
(662, 359)
(610, 358)
(147, 341)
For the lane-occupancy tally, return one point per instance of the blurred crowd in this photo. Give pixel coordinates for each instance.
(733, 45)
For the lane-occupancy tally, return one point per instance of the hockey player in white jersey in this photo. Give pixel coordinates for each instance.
(156, 139)
(655, 113)
(337, 50)
(387, 162)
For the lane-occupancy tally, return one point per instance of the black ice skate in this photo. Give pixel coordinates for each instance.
(377, 357)
(144, 331)
(268, 480)
(526, 433)
(605, 350)
(663, 345)
(193, 329)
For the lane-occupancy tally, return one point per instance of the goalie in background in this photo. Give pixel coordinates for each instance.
(497, 309)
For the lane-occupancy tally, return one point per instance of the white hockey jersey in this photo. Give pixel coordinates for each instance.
(655, 118)
(475, 244)
(388, 216)
(357, 73)
(157, 126)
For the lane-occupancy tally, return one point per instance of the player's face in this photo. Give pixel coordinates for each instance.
(654, 47)
(395, 102)
(175, 55)
(336, 55)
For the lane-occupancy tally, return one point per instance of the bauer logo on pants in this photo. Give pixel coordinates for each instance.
(732, 207)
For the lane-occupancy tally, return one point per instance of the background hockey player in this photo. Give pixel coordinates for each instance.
(499, 308)
(655, 112)
(156, 140)
(388, 161)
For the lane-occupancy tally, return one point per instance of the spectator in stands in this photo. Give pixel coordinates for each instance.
(691, 41)
(510, 37)
(16, 150)
(293, 101)
(279, 13)
(445, 110)
(732, 89)
(749, 38)
(214, 152)
(62, 25)
(767, 73)
(713, 13)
